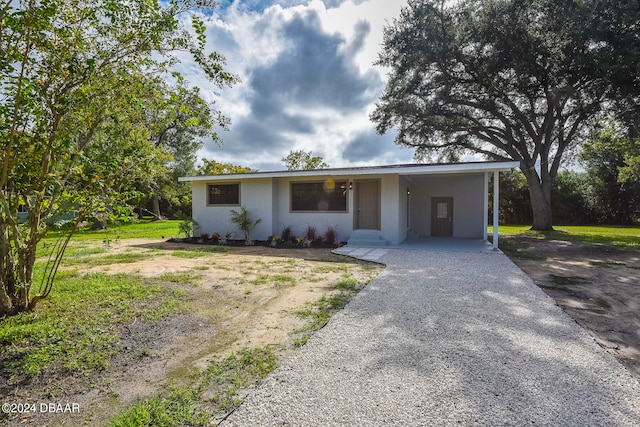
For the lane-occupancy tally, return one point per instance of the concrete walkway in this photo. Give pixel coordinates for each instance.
(447, 339)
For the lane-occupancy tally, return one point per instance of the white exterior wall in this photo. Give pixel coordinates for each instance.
(256, 195)
(468, 201)
(299, 221)
(269, 200)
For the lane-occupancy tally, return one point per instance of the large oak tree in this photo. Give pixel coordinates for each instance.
(520, 80)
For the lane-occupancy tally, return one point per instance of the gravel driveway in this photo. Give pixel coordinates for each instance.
(441, 339)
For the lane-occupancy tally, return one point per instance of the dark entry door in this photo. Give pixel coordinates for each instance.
(368, 205)
(442, 216)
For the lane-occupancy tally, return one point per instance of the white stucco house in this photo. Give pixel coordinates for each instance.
(386, 203)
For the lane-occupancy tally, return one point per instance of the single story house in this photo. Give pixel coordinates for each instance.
(385, 203)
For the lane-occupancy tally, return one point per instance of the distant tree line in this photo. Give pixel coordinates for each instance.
(605, 189)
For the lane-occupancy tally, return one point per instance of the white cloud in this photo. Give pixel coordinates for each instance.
(307, 81)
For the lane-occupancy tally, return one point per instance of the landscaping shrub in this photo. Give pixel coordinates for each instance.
(331, 235)
(287, 234)
(310, 233)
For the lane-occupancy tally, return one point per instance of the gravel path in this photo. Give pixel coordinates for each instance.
(444, 339)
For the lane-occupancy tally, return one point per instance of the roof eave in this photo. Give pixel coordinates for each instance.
(382, 170)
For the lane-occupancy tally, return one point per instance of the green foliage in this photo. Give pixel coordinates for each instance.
(613, 190)
(510, 80)
(243, 221)
(570, 202)
(211, 167)
(303, 160)
(515, 205)
(78, 83)
(187, 226)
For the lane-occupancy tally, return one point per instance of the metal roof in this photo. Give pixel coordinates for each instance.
(403, 169)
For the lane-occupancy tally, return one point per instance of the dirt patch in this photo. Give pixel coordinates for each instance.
(597, 285)
(235, 298)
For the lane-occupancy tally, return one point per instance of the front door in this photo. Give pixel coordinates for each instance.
(367, 205)
(442, 216)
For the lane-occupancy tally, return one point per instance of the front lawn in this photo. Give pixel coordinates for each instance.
(610, 235)
(140, 331)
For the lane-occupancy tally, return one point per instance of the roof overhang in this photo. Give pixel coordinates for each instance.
(406, 169)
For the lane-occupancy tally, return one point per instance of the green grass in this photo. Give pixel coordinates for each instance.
(75, 330)
(184, 278)
(236, 372)
(283, 280)
(141, 229)
(318, 313)
(179, 408)
(329, 269)
(123, 258)
(609, 235)
(222, 379)
(199, 252)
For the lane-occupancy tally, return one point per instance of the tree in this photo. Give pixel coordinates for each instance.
(514, 206)
(570, 202)
(511, 80)
(179, 119)
(303, 160)
(211, 167)
(72, 74)
(613, 189)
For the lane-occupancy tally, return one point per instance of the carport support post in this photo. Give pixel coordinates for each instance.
(485, 218)
(496, 191)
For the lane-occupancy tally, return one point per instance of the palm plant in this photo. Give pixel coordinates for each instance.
(244, 223)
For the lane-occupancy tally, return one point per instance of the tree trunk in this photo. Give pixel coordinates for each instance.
(540, 196)
(155, 202)
(6, 272)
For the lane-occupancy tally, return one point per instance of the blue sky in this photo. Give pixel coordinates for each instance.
(307, 81)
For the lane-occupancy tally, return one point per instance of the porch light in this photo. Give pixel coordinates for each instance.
(350, 185)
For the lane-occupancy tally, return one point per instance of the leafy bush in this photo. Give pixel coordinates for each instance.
(186, 227)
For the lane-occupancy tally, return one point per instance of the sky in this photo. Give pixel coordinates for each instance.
(307, 81)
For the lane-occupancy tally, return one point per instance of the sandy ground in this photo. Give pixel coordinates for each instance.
(597, 285)
(245, 298)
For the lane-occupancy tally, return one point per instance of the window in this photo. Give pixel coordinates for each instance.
(223, 194)
(328, 195)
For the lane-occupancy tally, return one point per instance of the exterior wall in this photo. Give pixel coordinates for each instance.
(468, 203)
(343, 222)
(268, 199)
(299, 221)
(256, 195)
